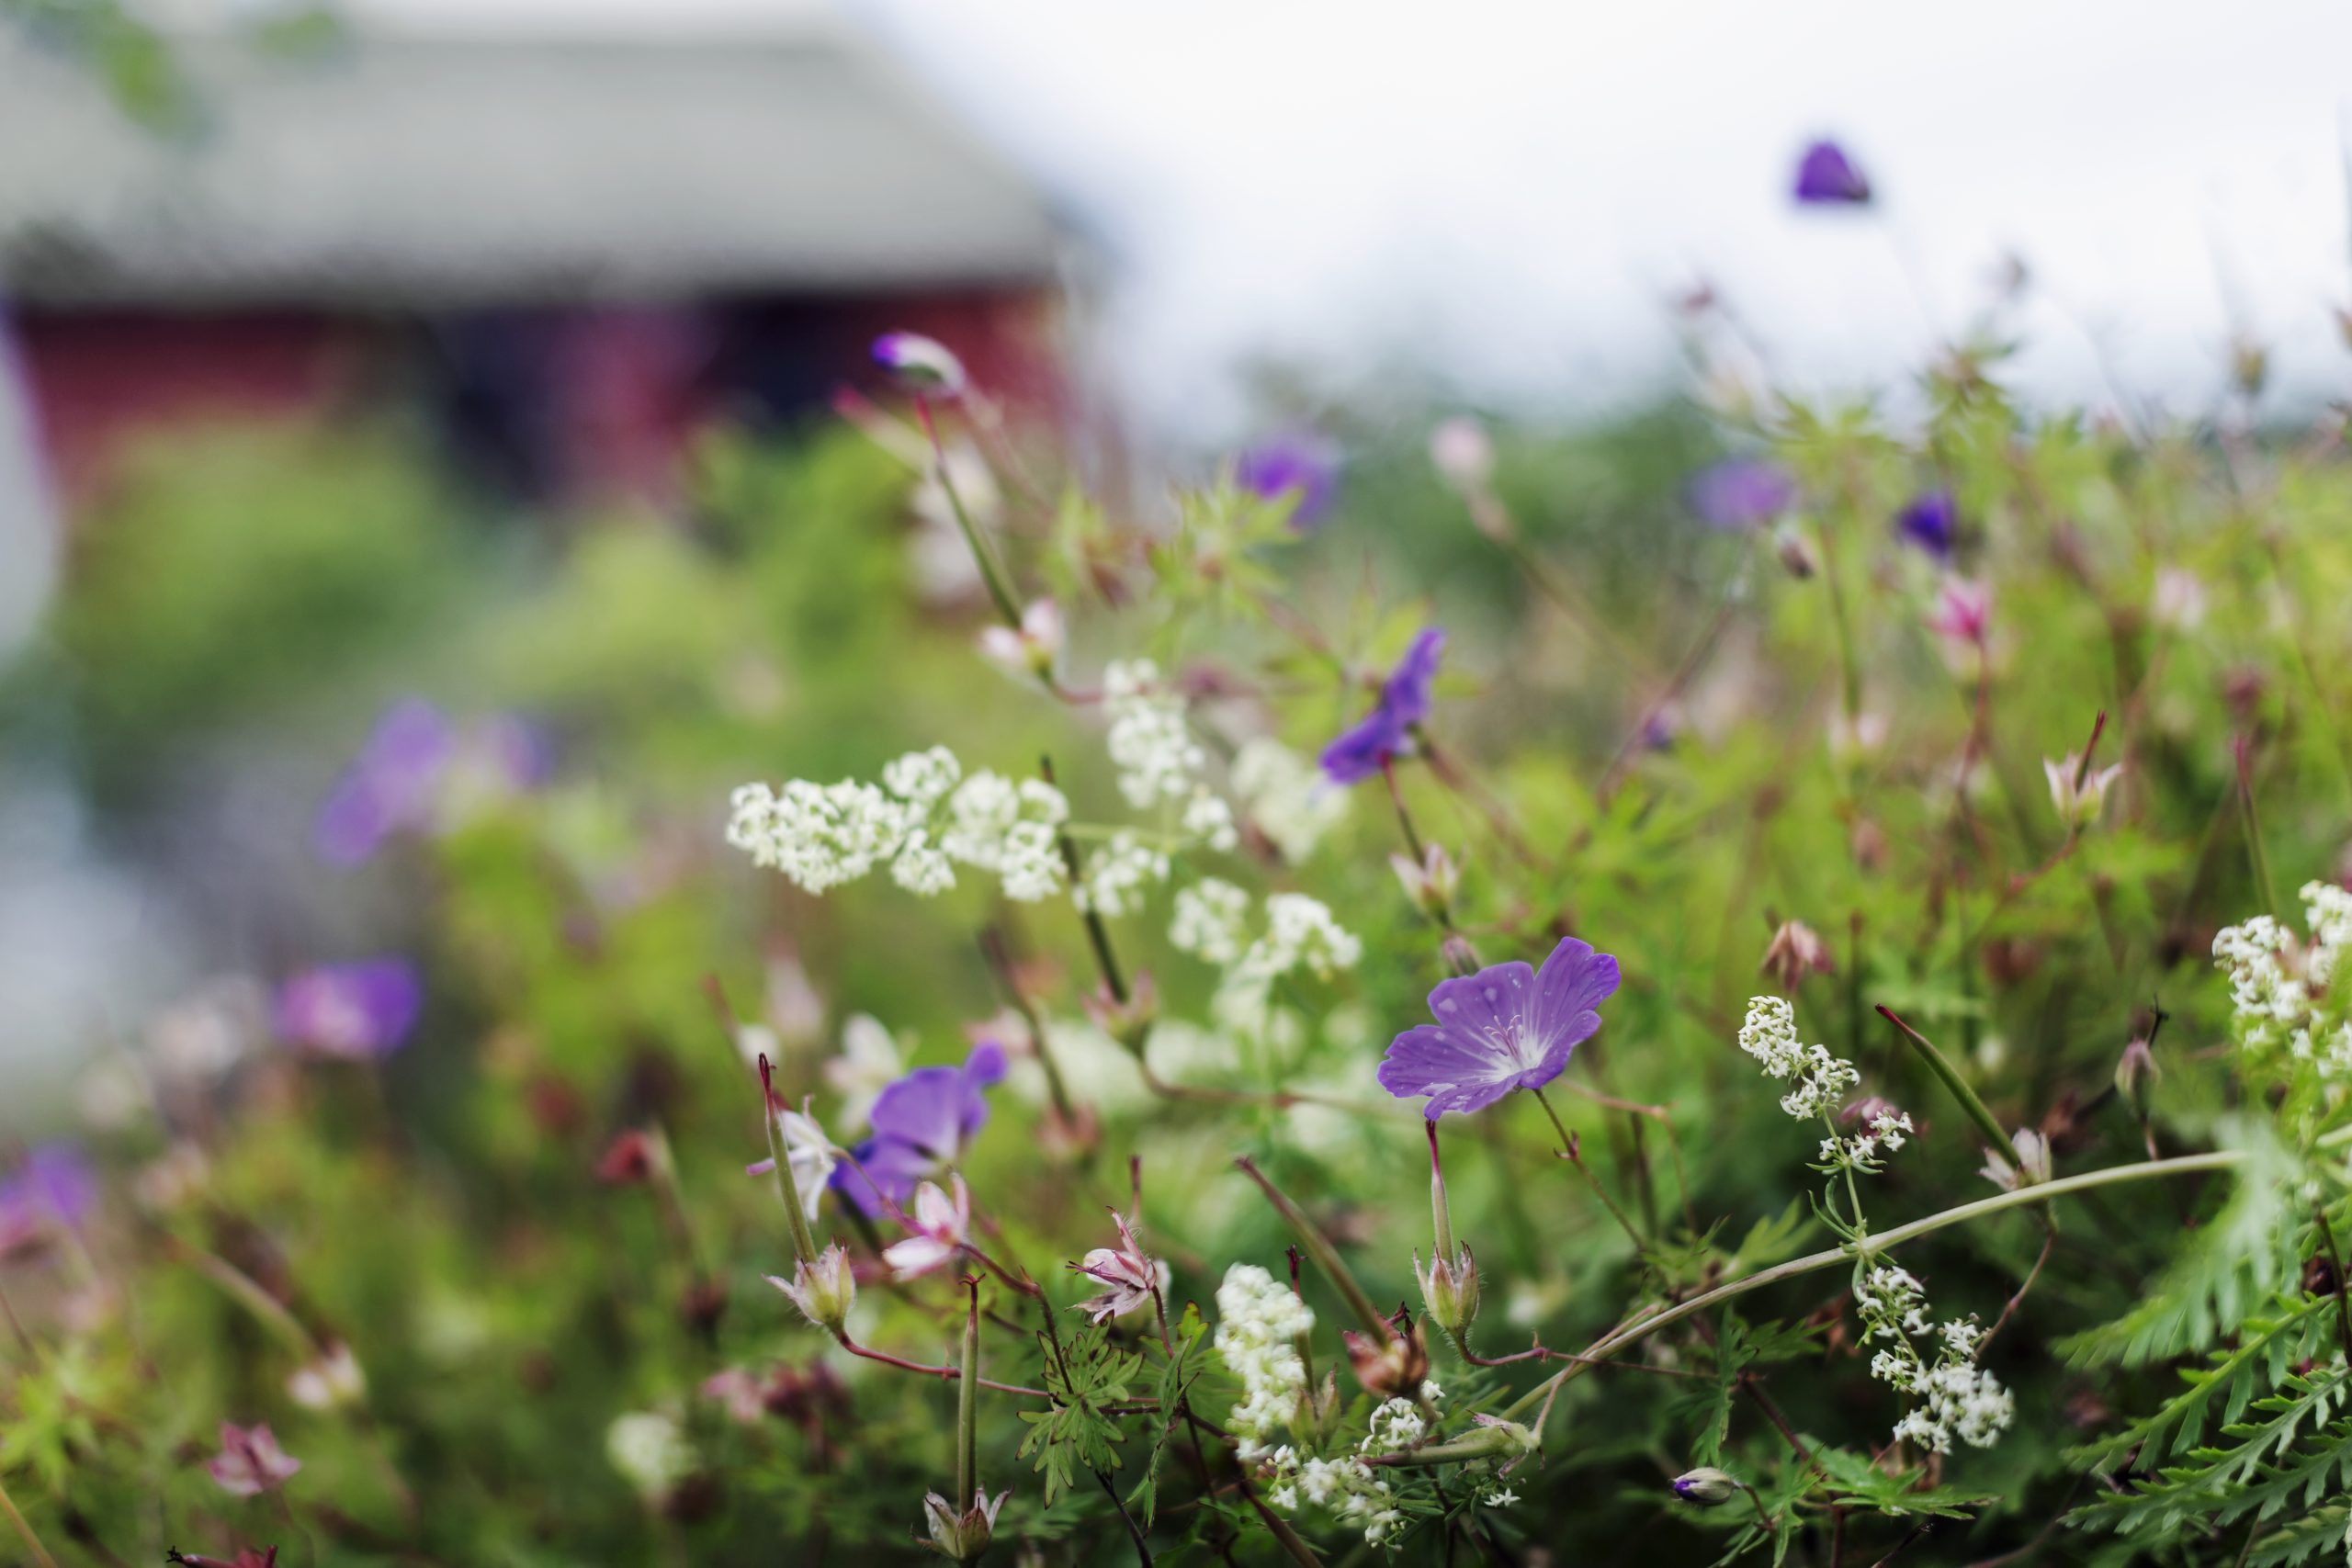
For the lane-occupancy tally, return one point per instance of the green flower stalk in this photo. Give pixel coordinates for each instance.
(963, 1534)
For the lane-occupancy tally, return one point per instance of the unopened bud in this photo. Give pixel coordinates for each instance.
(2249, 366)
(922, 366)
(1796, 951)
(1461, 454)
(962, 1537)
(1129, 1022)
(1391, 1365)
(1450, 1290)
(1706, 1486)
(2078, 793)
(2135, 1070)
(1034, 649)
(1795, 551)
(1429, 882)
(824, 1290)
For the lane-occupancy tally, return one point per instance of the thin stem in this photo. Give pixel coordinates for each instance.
(1938, 1064)
(967, 1406)
(2343, 1305)
(1135, 1531)
(2252, 818)
(25, 1531)
(1318, 1247)
(983, 556)
(1569, 1152)
(946, 1374)
(2219, 1159)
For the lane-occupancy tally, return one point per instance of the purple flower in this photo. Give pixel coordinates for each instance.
(1826, 177)
(1300, 465)
(920, 1122)
(1362, 750)
(923, 365)
(1928, 522)
(1506, 1027)
(55, 1186)
(1741, 492)
(389, 788)
(356, 1011)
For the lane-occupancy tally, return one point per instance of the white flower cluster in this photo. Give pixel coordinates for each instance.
(1155, 754)
(1287, 798)
(1770, 1034)
(1260, 1323)
(1211, 921)
(1347, 1488)
(1884, 1128)
(923, 819)
(1351, 1489)
(1300, 935)
(1957, 1397)
(2278, 984)
(1117, 876)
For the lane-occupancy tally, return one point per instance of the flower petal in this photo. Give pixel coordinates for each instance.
(1573, 983)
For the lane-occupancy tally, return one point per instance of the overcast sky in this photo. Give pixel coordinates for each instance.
(1507, 190)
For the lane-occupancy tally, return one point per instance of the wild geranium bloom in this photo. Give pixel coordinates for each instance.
(1827, 177)
(1929, 522)
(356, 1010)
(388, 787)
(922, 366)
(941, 1225)
(55, 1187)
(1300, 465)
(1506, 1027)
(1741, 492)
(920, 1122)
(1362, 750)
(1129, 1275)
(250, 1461)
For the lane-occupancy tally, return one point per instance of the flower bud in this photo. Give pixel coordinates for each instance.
(962, 1537)
(1706, 1486)
(2134, 1072)
(1461, 454)
(824, 1290)
(1431, 881)
(1450, 1290)
(1393, 1365)
(2078, 793)
(2024, 1163)
(329, 1382)
(2249, 366)
(1796, 951)
(1129, 1023)
(1796, 552)
(922, 366)
(1032, 650)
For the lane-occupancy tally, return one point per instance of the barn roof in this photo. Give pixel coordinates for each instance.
(464, 168)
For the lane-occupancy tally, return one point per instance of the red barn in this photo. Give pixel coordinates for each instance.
(568, 250)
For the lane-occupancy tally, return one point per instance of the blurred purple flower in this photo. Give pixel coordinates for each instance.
(1301, 465)
(1506, 1027)
(250, 1461)
(1826, 177)
(920, 1122)
(389, 788)
(356, 1010)
(1929, 522)
(923, 365)
(1362, 750)
(55, 1186)
(1741, 492)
